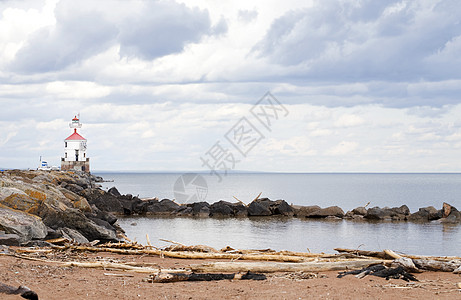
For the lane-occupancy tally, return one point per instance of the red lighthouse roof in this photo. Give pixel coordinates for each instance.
(75, 136)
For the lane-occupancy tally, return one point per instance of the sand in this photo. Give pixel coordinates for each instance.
(51, 281)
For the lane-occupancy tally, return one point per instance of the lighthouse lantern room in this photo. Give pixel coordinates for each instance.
(75, 157)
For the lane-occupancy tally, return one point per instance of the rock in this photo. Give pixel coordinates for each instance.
(72, 218)
(450, 214)
(221, 209)
(164, 207)
(104, 201)
(402, 210)
(19, 201)
(37, 243)
(267, 207)
(362, 211)
(200, 209)
(7, 191)
(75, 188)
(10, 239)
(259, 208)
(332, 211)
(304, 211)
(184, 211)
(424, 214)
(281, 207)
(73, 235)
(25, 225)
(114, 192)
(395, 213)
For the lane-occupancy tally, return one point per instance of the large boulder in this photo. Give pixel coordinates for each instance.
(304, 211)
(200, 209)
(425, 214)
(332, 211)
(163, 207)
(25, 225)
(259, 208)
(60, 217)
(221, 209)
(227, 209)
(450, 214)
(386, 213)
(267, 207)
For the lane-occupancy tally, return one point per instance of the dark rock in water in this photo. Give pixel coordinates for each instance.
(103, 201)
(221, 209)
(267, 207)
(259, 208)
(114, 192)
(304, 211)
(164, 207)
(184, 211)
(362, 211)
(332, 211)
(425, 214)
(281, 207)
(450, 214)
(200, 209)
(10, 239)
(395, 213)
(402, 210)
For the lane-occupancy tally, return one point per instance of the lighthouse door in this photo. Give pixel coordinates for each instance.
(76, 155)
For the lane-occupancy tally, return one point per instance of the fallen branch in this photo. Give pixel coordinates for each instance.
(270, 267)
(169, 277)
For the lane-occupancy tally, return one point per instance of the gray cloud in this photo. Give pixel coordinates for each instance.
(78, 34)
(145, 30)
(368, 40)
(164, 28)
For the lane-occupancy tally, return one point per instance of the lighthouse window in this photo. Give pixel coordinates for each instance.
(84, 154)
(65, 144)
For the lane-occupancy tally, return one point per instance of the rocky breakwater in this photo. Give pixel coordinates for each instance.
(40, 205)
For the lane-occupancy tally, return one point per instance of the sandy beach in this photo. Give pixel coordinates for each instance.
(51, 281)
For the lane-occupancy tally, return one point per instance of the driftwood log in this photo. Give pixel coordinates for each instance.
(270, 267)
(175, 277)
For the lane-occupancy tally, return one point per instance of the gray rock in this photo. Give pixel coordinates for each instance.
(424, 214)
(25, 225)
(10, 239)
(332, 211)
(74, 219)
(362, 211)
(163, 207)
(221, 209)
(304, 211)
(73, 235)
(259, 208)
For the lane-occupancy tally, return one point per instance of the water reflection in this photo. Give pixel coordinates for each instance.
(299, 234)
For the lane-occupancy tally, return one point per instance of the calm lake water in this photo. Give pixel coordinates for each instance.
(345, 190)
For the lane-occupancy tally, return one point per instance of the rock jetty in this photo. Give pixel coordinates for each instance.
(39, 205)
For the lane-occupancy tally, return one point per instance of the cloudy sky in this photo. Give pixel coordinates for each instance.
(359, 85)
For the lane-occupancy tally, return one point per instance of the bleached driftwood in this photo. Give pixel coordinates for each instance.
(117, 266)
(193, 255)
(269, 267)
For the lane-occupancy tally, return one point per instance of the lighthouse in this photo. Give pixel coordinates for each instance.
(75, 157)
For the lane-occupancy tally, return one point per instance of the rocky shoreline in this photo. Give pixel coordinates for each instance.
(36, 206)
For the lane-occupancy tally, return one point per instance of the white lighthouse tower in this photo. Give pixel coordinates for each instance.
(75, 157)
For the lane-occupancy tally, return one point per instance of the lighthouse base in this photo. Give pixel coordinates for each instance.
(75, 165)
